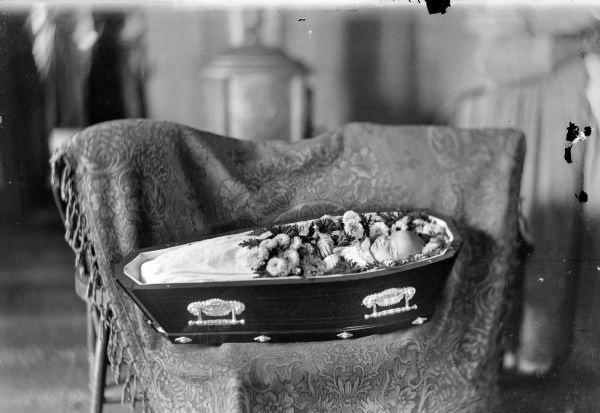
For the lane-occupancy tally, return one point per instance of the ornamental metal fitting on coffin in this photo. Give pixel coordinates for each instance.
(262, 339)
(215, 307)
(419, 320)
(387, 298)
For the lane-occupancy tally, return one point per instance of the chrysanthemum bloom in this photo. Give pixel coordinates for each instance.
(258, 256)
(304, 228)
(268, 244)
(292, 257)
(350, 217)
(354, 229)
(278, 267)
(312, 266)
(282, 239)
(375, 218)
(430, 248)
(308, 249)
(431, 229)
(265, 235)
(419, 223)
(296, 243)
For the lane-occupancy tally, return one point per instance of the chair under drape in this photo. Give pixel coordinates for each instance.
(135, 183)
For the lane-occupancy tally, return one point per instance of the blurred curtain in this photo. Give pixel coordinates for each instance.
(23, 152)
(530, 58)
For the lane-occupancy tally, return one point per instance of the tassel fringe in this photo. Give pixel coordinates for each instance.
(121, 359)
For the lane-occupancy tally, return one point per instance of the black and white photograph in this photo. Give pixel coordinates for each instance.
(248, 206)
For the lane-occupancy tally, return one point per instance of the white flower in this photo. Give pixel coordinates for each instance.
(303, 228)
(308, 249)
(350, 217)
(257, 257)
(352, 225)
(292, 257)
(268, 244)
(430, 247)
(265, 235)
(296, 243)
(331, 261)
(419, 224)
(312, 266)
(282, 239)
(427, 229)
(401, 224)
(378, 228)
(278, 267)
(373, 217)
(432, 229)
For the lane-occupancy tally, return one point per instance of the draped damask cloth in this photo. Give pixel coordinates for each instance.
(136, 183)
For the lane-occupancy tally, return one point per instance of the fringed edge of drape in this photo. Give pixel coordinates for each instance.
(121, 359)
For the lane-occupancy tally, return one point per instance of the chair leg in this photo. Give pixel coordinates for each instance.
(91, 340)
(98, 383)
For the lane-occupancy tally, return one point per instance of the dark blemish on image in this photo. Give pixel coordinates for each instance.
(301, 20)
(568, 155)
(572, 132)
(435, 6)
(574, 136)
(582, 197)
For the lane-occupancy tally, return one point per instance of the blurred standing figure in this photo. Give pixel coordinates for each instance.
(91, 62)
(23, 154)
(533, 59)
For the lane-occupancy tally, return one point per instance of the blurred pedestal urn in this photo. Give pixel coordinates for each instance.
(256, 92)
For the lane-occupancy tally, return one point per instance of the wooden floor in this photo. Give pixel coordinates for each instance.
(43, 365)
(43, 362)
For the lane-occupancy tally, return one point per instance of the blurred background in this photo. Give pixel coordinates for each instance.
(280, 72)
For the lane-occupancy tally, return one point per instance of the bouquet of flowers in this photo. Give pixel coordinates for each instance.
(350, 243)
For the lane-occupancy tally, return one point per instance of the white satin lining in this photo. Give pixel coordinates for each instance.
(215, 259)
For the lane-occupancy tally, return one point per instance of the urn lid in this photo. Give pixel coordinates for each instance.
(253, 59)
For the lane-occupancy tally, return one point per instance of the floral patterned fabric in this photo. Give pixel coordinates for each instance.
(135, 183)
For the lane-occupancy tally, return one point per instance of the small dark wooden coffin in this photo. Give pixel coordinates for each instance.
(294, 309)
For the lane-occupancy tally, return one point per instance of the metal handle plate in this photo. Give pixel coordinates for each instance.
(215, 307)
(389, 297)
